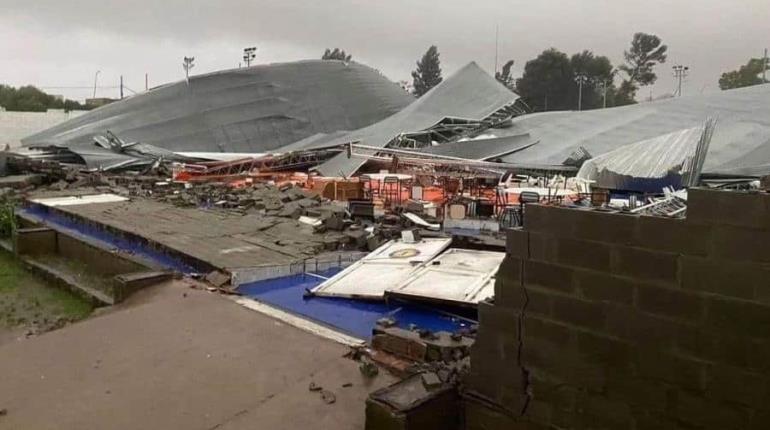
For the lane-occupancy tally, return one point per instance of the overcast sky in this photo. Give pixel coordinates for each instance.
(62, 43)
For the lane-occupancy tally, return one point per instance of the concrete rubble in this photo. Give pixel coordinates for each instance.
(627, 283)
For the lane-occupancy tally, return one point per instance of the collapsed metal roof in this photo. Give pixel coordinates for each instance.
(649, 165)
(254, 109)
(740, 145)
(470, 94)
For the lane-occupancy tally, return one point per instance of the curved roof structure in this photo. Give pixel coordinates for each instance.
(469, 94)
(254, 109)
(740, 145)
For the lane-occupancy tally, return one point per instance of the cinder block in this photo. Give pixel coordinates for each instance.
(603, 287)
(656, 365)
(480, 415)
(536, 327)
(517, 243)
(537, 301)
(670, 302)
(541, 219)
(600, 412)
(409, 405)
(548, 275)
(639, 393)
(736, 208)
(562, 397)
(702, 413)
(673, 235)
(728, 278)
(736, 385)
(646, 264)
(579, 312)
(761, 419)
(739, 317)
(499, 320)
(508, 281)
(718, 347)
(743, 244)
(607, 227)
(639, 328)
(608, 352)
(583, 254)
(542, 247)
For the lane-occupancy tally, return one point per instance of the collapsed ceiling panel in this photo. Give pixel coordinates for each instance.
(254, 109)
(646, 166)
(740, 144)
(470, 94)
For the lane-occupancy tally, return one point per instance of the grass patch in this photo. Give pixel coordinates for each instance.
(7, 217)
(27, 300)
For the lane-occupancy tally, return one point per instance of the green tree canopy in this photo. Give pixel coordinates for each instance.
(31, 99)
(746, 76)
(504, 76)
(647, 51)
(428, 72)
(549, 81)
(336, 54)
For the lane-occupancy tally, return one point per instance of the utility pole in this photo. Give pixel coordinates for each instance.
(187, 65)
(580, 79)
(96, 77)
(764, 69)
(680, 72)
(497, 39)
(146, 82)
(604, 95)
(249, 54)
(121, 87)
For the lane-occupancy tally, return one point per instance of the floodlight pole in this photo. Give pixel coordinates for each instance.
(249, 54)
(187, 65)
(96, 77)
(580, 79)
(680, 72)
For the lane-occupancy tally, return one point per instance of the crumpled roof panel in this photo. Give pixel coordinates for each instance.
(645, 166)
(740, 144)
(470, 93)
(254, 109)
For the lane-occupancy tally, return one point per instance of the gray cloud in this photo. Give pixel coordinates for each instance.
(55, 43)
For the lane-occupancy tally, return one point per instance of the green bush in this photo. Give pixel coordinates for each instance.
(7, 218)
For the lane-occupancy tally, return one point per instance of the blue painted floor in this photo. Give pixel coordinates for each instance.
(354, 317)
(107, 238)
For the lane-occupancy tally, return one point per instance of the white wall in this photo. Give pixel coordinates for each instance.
(16, 125)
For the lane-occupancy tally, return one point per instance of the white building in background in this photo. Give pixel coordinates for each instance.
(15, 126)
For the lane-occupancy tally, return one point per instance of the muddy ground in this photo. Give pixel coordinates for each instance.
(28, 306)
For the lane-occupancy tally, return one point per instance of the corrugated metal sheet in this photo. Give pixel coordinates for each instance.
(470, 94)
(740, 145)
(645, 166)
(254, 109)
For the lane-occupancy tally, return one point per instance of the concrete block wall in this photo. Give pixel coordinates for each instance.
(612, 321)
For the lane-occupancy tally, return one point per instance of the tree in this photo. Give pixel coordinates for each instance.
(504, 76)
(746, 76)
(428, 72)
(31, 99)
(336, 54)
(547, 81)
(646, 52)
(599, 72)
